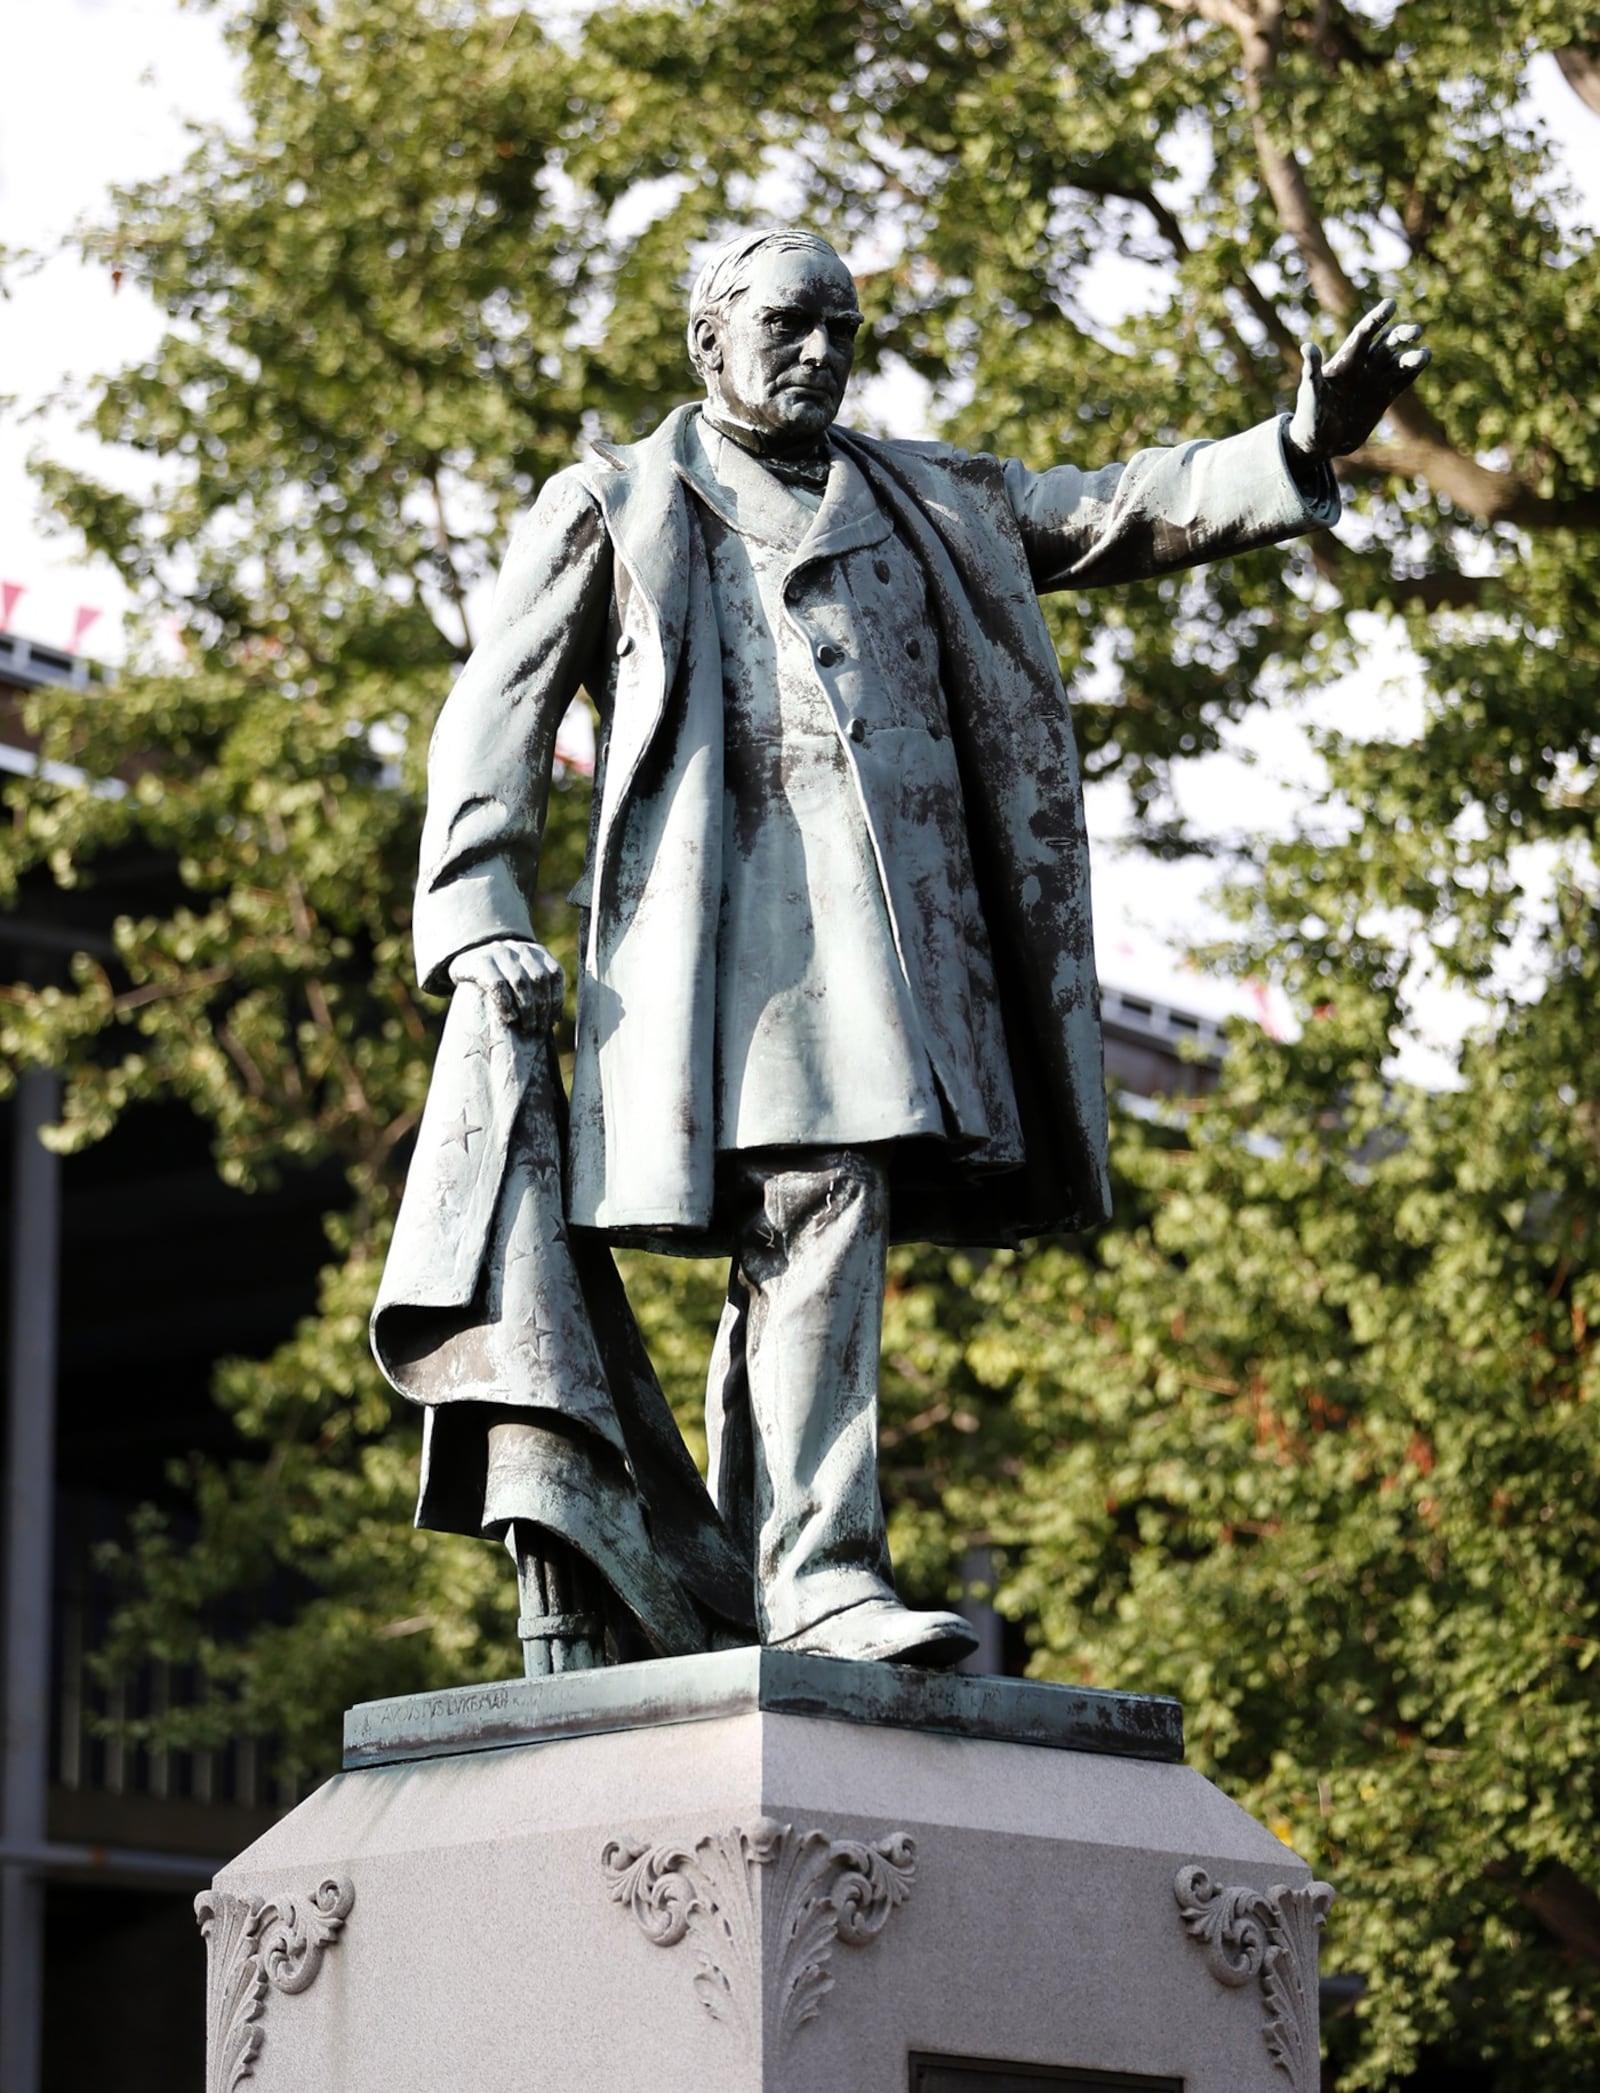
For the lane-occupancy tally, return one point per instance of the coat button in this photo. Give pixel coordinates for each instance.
(881, 569)
(625, 645)
(827, 656)
(857, 729)
(914, 649)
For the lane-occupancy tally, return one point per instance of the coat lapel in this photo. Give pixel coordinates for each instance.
(642, 499)
(850, 517)
(636, 486)
(738, 488)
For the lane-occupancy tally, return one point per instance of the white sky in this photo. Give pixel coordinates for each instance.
(98, 92)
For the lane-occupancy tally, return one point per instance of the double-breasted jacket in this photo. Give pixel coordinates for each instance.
(607, 588)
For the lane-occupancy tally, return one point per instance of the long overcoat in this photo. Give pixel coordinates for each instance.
(606, 588)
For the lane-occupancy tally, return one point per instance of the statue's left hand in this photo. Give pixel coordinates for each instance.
(518, 976)
(1342, 401)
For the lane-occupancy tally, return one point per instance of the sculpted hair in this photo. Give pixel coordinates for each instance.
(726, 274)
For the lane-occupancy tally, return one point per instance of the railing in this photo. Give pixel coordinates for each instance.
(96, 1748)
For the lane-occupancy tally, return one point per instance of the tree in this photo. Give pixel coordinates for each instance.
(1308, 1435)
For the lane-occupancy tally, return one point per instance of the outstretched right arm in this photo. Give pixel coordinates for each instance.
(489, 763)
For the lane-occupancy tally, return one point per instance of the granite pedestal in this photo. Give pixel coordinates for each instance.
(759, 1873)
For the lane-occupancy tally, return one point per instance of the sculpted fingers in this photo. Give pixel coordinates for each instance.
(1342, 401)
(501, 981)
(1353, 350)
(527, 985)
(1403, 358)
(540, 984)
(1304, 425)
(1407, 350)
(521, 980)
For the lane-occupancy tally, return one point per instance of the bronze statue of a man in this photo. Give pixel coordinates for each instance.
(836, 979)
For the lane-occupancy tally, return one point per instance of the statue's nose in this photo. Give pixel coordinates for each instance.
(814, 349)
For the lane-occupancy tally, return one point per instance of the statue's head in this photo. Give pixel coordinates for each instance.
(772, 332)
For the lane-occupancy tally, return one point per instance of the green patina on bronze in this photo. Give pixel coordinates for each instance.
(661, 1691)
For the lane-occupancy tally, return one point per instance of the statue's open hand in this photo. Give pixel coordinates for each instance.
(1342, 401)
(522, 980)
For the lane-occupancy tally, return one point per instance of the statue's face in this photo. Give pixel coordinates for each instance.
(778, 359)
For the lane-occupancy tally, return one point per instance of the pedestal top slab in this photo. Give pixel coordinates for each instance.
(736, 1682)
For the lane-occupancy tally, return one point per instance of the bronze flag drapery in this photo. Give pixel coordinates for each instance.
(493, 1313)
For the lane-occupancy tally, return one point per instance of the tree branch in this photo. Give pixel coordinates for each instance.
(1267, 317)
(447, 558)
(249, 1069)
(1563, 1902)
(1332, 36)
(167, 991)
(1284, 176)
(1581, 71)
(1226, 14)
(1444, 589)
(1167, 225)
(1447, 591)
(1421, 448)
(1474, 489)
(316, 994)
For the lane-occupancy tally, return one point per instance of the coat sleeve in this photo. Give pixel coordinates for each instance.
(1163, 510)
(489, 763)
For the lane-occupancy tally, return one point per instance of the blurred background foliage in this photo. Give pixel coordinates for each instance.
(1308, 1436)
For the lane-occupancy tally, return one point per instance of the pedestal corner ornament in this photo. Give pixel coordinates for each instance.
(1267, 1935)
(763, 1906)
(254, 1945)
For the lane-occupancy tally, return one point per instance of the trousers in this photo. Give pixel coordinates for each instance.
(792, 1393)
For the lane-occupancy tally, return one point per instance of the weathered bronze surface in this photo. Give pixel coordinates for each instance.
(776, 1682)
(836, 981)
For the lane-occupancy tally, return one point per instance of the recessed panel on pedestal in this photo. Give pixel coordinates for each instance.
(993, 2075)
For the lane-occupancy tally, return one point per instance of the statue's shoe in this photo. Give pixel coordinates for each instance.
(883, 1631)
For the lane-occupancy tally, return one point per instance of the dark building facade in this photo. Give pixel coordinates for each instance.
(130, 1270)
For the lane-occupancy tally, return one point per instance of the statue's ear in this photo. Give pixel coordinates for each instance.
(707, 343)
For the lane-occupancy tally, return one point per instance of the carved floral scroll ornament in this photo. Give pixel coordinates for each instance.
(253, 1944)
(1267, 1935)
(763, 1907)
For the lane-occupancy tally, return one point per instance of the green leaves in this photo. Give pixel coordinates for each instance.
(1309, 1440)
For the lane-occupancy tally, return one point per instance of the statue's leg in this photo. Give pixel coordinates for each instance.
(562, 1621)
(808, 1283)
(810, 1272)
(730, 1435)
